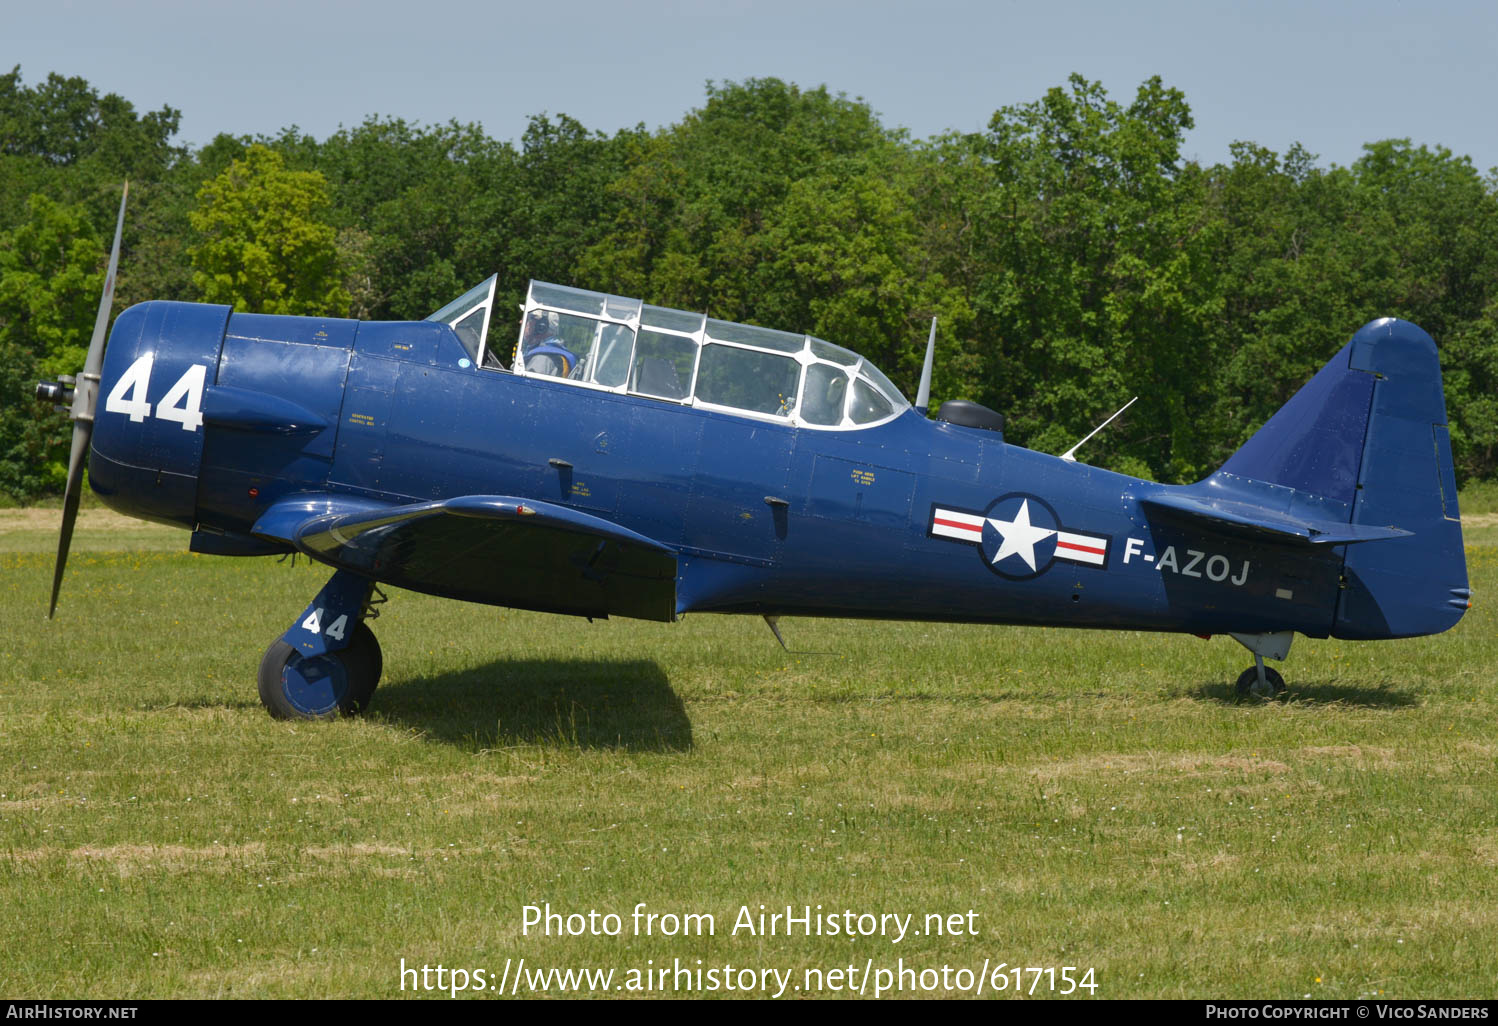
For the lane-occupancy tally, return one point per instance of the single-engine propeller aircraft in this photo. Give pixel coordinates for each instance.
(623, 459)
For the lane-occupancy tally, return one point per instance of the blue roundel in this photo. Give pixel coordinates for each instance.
(1019, 536)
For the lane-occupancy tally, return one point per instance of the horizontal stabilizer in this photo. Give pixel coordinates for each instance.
(494, 549)
(1245, 517)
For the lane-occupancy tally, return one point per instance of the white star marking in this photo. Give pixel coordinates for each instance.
(1020, 537)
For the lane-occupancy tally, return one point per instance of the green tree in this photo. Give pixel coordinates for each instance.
(263, 244)
(1079, 237)
(398, 195)
(1470, 370)
(842, 260)
(33, 441)
(64, 121)
(62, 139)
(697, 202)
(1306, 255)
(51, 274)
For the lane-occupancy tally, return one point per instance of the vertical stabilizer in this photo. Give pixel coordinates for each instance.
(1366, 442)
(1415, 585)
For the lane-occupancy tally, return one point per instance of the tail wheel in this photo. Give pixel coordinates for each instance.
(298, 687)
(1249, 685)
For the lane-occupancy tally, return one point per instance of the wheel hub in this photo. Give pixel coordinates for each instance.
(315, 685)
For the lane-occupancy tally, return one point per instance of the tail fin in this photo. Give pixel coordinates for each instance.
(1365, 441)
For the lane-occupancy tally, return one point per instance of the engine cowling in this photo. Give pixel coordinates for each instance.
(148, 426)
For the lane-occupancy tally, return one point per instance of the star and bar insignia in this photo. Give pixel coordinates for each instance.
(1020, 536)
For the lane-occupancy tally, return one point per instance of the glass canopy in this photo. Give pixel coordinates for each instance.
(600, 341)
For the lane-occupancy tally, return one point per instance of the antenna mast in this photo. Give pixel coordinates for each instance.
(923, 394)
(1070, 455)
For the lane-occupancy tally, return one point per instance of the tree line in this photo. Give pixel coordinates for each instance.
(1073, 256)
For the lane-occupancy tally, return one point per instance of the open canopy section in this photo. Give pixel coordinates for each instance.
(468, 316)
(601, 341)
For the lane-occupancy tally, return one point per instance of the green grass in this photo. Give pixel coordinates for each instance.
(1479, 497)
(1099, 799)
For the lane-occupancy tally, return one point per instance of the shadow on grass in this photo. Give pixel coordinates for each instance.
(584, 703)
(1372, 696)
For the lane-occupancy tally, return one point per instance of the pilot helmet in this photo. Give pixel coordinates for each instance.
(541, 325)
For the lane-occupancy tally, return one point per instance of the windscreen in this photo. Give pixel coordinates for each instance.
(468, 316)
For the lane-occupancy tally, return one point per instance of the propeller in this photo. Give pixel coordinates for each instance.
(84, 392)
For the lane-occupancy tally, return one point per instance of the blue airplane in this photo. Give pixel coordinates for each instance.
(624, 459)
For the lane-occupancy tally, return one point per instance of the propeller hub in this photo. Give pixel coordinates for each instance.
(57, 392)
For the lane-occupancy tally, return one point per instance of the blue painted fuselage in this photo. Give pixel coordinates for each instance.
(909, 519)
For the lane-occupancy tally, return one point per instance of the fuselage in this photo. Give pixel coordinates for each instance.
(906, 519)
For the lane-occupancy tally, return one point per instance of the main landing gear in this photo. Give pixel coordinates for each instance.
(297, 687)
(1260, 681)
(328, 662)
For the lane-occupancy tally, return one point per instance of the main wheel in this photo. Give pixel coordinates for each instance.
(1249, 686)
(298, 687)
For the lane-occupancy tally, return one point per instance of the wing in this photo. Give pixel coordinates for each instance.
(494, 549)
(1240, 517)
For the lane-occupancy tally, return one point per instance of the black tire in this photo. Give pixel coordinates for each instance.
(368, 645)
(1248, 683)
(294, 687)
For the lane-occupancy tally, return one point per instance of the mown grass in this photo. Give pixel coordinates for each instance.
(1100, 799)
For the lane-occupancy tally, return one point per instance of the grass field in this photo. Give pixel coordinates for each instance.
(1100, 800)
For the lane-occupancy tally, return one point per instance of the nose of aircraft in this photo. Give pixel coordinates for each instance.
(148, 427)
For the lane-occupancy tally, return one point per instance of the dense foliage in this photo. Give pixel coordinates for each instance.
(1073, 257)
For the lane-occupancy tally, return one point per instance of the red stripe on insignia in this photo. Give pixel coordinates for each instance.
(958, 524)
(1081, 548)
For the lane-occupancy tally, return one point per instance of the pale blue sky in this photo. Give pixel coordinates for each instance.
(1331, 75)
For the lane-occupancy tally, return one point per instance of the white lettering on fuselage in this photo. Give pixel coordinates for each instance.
(1213, 566)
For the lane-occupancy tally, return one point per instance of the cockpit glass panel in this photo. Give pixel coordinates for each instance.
(621, 308)
(822, 398)
(608, 364)
(885, 385)
(470, 331)
(675, 320)
(592, 339)
(868, 405)
(568, 299)
(747, 380)
(837, 354)
(751, 335)
(556, 343)
(467, 301)
(468, 316)
(662, 365)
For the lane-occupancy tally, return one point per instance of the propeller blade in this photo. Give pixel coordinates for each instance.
(85, 395)
(85, 400)
(82, 432)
